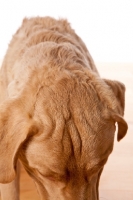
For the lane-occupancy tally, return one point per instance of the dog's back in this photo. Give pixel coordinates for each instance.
(39, 30)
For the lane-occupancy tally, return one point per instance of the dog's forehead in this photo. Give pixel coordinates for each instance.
(76, 131)
(72, 152)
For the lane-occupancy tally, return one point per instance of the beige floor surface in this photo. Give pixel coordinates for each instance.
(117, 178)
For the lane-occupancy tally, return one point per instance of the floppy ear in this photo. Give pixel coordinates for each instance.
(15, 127)
(122, 126)
(118, 89)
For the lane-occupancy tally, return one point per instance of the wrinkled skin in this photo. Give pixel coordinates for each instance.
(57, 115)
(69, 158)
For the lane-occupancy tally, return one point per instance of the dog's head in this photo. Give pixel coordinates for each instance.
(63, 135)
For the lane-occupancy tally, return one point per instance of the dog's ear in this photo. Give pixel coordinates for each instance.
(122, 126)
(15, 127)
(118, 89)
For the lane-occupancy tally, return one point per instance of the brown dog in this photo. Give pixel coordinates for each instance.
(57, 116)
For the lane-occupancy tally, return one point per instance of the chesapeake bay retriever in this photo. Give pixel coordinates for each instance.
(57, 115)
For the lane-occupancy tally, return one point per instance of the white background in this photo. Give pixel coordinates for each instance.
(106, 26)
